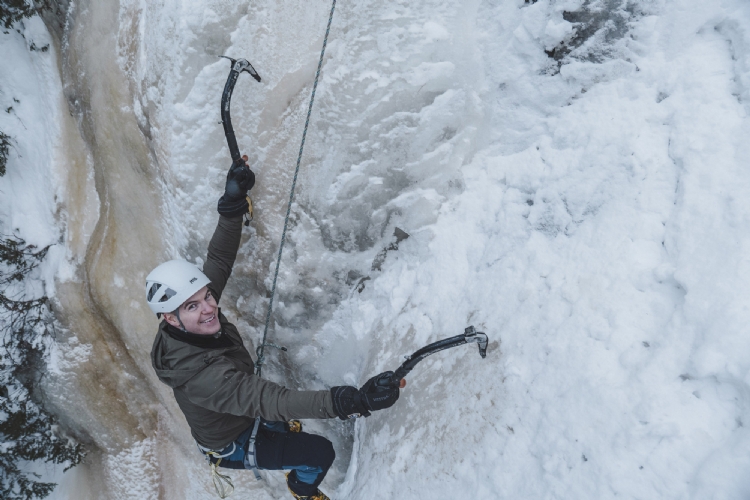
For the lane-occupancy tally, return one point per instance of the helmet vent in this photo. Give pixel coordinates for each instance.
(152, 291)
(168, 293)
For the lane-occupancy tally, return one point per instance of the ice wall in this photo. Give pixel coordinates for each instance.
(572, 177)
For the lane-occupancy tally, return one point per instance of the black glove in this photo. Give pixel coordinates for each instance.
(349, 402)
(240, 179)
(380, 392)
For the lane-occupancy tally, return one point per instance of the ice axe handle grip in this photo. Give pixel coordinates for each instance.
(389, 381)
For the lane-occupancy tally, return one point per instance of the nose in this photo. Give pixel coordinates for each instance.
(207, 307)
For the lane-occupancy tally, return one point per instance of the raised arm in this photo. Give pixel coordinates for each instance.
(222, 250)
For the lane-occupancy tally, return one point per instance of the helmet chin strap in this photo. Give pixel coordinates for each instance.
(177, 314)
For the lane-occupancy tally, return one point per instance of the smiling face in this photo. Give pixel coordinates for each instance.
(199, 314)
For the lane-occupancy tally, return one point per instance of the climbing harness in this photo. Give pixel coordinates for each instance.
(233, 453)
(251, 456)
(222, 482)
(243, 450)
(261, 348)
(470, 336)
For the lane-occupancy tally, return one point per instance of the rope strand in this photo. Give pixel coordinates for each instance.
(261, 348)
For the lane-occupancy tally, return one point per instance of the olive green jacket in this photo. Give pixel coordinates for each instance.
(216, 388)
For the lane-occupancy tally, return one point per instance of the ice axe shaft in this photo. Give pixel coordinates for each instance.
(470, 336)
(238, 66)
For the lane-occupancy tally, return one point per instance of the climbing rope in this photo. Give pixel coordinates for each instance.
(260, 350)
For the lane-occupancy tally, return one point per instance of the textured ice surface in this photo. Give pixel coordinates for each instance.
(573, 177)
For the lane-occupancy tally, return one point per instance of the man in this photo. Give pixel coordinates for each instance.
(200, 355)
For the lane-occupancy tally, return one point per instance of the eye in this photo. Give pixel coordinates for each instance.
(191, 307)
(208, 295)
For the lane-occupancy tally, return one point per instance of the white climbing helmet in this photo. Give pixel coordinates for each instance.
(172, 283)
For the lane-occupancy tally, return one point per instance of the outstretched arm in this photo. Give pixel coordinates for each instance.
(225, 389)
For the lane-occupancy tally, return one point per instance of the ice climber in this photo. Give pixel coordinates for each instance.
(200, 355)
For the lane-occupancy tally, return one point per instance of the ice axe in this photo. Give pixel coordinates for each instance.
(238, 66)
(470, 336)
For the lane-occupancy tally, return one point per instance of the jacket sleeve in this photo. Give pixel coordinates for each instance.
(222, 251)
(224, 389)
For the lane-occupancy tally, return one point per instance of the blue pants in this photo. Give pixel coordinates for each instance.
(308, 456)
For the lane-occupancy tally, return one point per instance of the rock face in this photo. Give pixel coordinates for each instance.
(114, 234)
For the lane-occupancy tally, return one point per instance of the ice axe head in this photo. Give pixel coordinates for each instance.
(240, 65)
(480, 338)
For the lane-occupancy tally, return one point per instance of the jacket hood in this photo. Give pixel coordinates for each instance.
(176, 362)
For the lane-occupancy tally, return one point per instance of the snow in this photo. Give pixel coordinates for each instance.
(29, 100)
(590, 217)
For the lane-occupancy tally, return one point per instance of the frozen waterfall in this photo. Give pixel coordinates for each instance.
(573, 177)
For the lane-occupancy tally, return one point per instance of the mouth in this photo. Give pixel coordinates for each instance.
(209, 320)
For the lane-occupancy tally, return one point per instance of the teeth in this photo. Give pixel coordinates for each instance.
(209, 319)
